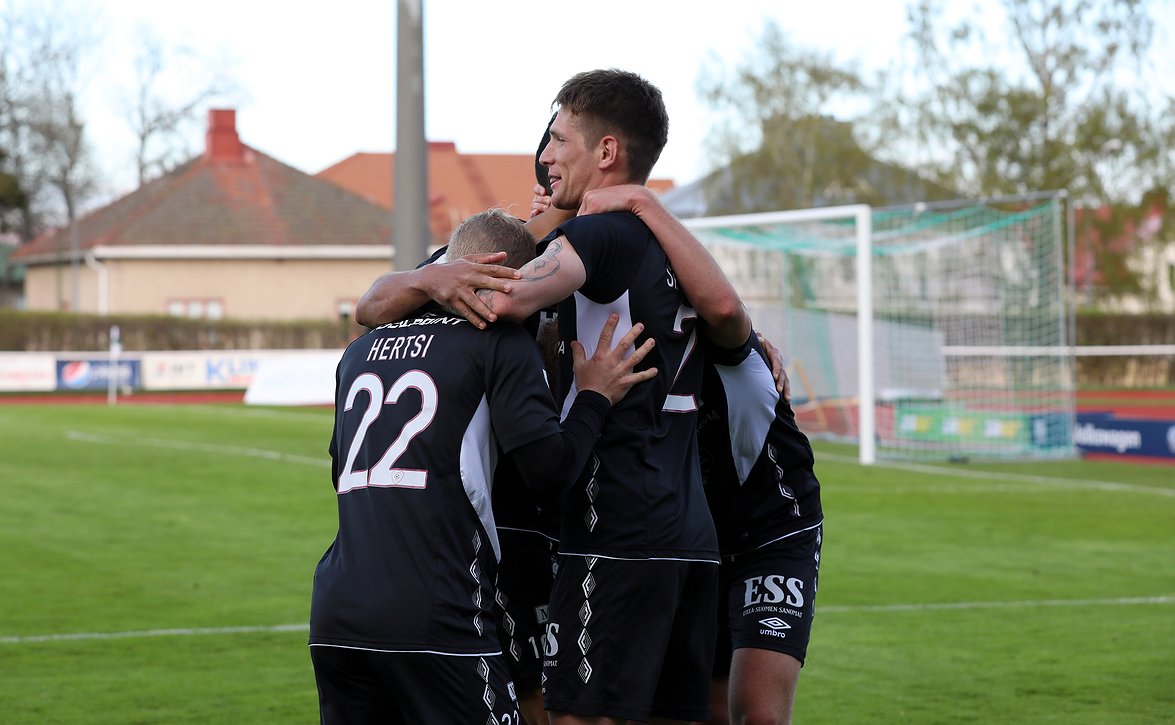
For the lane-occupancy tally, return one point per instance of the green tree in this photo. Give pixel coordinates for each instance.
(1056, 98)
(779, 147)
(795, 129)
(13, 200)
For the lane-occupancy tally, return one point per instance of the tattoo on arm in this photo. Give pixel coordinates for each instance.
(546, 265)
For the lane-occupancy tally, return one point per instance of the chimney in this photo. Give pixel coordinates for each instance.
(221, 142)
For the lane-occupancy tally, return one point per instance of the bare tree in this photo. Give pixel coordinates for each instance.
(17, 69)
(159, 121)
(42, 54)
(41, 124)
(60, 138)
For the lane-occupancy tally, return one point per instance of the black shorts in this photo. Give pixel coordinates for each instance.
(632, 638)
(525, 575)
(361, 686)
(770, 599)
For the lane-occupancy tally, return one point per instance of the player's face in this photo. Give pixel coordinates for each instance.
(570, 163)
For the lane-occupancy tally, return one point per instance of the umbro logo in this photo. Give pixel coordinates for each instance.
(775, 623)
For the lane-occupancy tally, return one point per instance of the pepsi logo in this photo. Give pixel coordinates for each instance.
(77, 374)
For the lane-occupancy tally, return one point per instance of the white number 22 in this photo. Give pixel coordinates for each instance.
(384, 473)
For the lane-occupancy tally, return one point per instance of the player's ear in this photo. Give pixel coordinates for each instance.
(608, 151)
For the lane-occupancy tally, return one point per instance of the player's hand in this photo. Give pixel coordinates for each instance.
(455, 284)
(775, 359)
(541, 201)
(609, 371)
(625, 197)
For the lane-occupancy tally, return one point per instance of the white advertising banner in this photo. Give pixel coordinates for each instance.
(306, 378)
(211, 370)
(28, 372)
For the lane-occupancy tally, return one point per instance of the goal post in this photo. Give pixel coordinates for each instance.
(927, 331)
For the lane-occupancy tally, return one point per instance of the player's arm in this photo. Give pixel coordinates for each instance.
(603, 380)
(454, 284)
(395, 295)
(543, 281)
(706, 287)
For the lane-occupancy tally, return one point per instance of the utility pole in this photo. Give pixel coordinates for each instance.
(410, 219)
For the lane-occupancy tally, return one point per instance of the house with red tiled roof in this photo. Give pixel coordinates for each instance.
(459, 184)
(1123, 259)
(231, 233)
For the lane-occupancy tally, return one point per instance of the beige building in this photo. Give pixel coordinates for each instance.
(232, 233)
(235, 233)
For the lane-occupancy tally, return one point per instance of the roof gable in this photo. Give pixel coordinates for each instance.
(240, 197)
(460, 185)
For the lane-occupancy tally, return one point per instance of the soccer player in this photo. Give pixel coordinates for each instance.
(633, 608)
(765, 498)
(528, 529)
(400, 627)
(717, 302)
(763, 493)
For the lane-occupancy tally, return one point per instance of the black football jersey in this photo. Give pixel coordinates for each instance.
(641, 494)
(756, 462)
(422, 406)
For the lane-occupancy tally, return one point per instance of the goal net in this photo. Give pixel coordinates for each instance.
(933, 331)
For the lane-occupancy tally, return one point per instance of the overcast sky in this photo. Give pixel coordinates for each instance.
(318, 78)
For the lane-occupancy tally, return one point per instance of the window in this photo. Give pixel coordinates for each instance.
(196, 308)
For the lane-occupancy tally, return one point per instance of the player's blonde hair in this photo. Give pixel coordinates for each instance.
(493, 230)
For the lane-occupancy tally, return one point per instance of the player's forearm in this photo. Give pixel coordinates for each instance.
(543, 281)
(581, 430)
(393, 296)
(705, 285)
(549, 465)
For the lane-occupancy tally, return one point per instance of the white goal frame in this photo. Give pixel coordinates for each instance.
(862, 214)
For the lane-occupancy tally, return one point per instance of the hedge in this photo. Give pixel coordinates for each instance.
(64, 332)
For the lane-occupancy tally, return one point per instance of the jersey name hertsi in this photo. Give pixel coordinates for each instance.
(422, 406)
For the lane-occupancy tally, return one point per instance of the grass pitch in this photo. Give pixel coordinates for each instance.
(156, 564)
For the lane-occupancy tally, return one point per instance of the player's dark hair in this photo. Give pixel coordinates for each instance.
(541, 174)
(493, 230)
(622, 104)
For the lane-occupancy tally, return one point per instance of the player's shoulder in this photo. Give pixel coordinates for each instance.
(504, 337)
(603, 224)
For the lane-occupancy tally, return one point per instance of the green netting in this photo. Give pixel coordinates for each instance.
(970, 322)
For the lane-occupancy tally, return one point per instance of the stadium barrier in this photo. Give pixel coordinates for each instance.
(306, 377)
(210, 370)
(1106, 435)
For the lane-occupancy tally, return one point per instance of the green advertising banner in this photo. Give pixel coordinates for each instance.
(945, 424)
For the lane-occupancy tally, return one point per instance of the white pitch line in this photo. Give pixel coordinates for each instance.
(1029, 604)
(198, 447)
(185, 632)
(295, 414)
(927, 607)
(1001, 476)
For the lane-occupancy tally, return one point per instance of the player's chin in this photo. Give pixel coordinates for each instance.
(559, 201)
